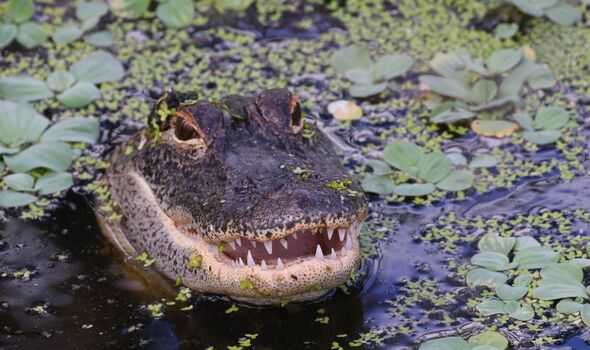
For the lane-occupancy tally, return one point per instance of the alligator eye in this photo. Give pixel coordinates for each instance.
(185, 131)
(296, 117)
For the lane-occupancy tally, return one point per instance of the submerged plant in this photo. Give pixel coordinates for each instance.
(428, 170)
(76, 87)
(35, 154)
(559, 11)
(17, 25)
(369, 77)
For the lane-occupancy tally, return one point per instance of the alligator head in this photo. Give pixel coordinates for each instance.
(238, 197)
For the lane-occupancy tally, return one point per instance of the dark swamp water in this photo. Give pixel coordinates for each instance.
(61, 286)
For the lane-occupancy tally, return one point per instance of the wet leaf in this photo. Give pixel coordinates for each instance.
(523, 279)
(551, 118)
(535, 258)
(404, 155)
(79, 95)
(458, 180)
(548, 291)
(74, 129)
(524, 120)
(564, 14)
(56, 156)
(451, 116)
(505, 30)
(20, 10)
(513, 82)
(566, 306)
(60, 81)
(483, 161)
(562, 273)
(523, 312)
(23, 88)
(19, 124)
(99, 39)
(67, 33)
(54, 182)
(541, 78)
(11, 199)
(483, 277)
(19, 182)
(89, 23)
(503, 60)
(530, 7)
(359, 76)
(542, 137)
(491, 260)
(380, 184)
(359, 90)
(525, 242)
(494, 339)
(379, 167)
(493, 128)
(345, 110)
(130, 8)
(507, 292)
(450, 343)
(98, 67)
(30, 35)
(391, 66)
(433, 167)
(7, 34)
(176, 13)
(447, 87)
(484, 90)
(493, 243)
(457, 158)
(490, 307)
(351, 57)
(91, 9)
(413, 190)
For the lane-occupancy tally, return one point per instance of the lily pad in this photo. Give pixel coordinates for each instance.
(31, 34)
(554, 291)
(543, 137)
(98, 67)
(359, 76)
(54, 182)
(391, 66)
(458, 180)
(12, 199)
(79, 95)
(484, 277)
(20, 10)
(524, 120)
(23, 88)
(493, 128)
(564, 14)
(75, 129)
(19, 124)
(585, 313)
(433, 167)
(450, 343)
(535, 258)
(494, 339)
(351, 57)
(56, 156)
(484, 90)
(7, 34)
(176, 13)
(491, 307)
(91, 9)
(130, 8)
(404, 155)
(447, 87)
(380, 184)
(413, 190)
(452, 116)
(379, 167)
(494, 243)
(503, 60)
(491, 260)
(505, 30)
(541, 78)
(60, 81)
(67, 33)
(20, 182)
(567, 306)
(99, 39)
(366, 90)
(551, 118)
(507, 292)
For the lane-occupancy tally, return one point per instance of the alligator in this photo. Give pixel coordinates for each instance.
(240, 197)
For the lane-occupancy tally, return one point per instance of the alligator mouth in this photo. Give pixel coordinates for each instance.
(321, 242)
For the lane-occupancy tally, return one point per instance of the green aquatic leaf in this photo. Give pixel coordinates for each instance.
(56, 156)
(23, 88)
(176, 13)
(19, 124)
(74, 129)
(91, 9)
(491, 338)
(523, 279)
(507, 292)
(505, 30)
(404, 155)
(130, 8)
(524, 120)
(535, 258)
(551, 118)
(434, 166)
(503, 60)
(523, 312)
(359, 76)
(60, 81)
(53, 183)
(531, 7)
(525, 242)
(457, 158)
(565, 273)
(567, 306)
(89, 23)
(492, 242)
(458, 180)
(564, 14)
(447, 87)
(380, 184)
(513, 82)
(451, 116)
(67, 33)
(413, 190)
(391, 66)
(19, 182)
(351, 57)
(12, 199)
(379, 167)
(20, 10)
(98, 67)
(99, 39)
(491, 307)
(79, 95)
(366, 90)
(484, 277)
(491, 260)
(585, 313)
(484, 90)
(449, 343)
(31, 34)
(541, 78)
(8, 32)
(483, 161)
(554, 291)
(543, 137)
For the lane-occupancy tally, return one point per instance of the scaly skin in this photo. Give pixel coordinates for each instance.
(234, 200)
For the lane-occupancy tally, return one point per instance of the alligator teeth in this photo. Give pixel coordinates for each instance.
(330, 232)
(232, 245)
(240, 261)
(294, 235)
(238, 242)
(341, 234)
(263, 264)
(333, 254)
(280, 263)
(318, 252)
(254, 244)
(348, 244)
(268, 246)
(284, 243)
(250, 259)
